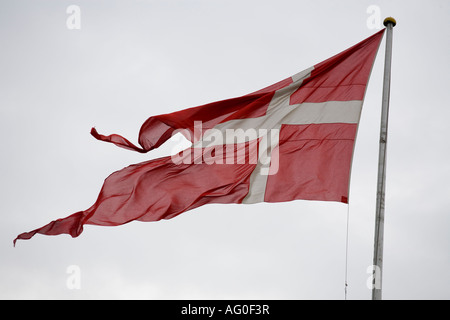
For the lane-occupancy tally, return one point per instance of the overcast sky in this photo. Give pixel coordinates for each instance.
(133, 59)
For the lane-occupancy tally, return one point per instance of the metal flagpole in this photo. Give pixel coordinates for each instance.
(389, 23)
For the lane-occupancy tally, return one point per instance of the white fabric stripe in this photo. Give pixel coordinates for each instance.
(283, 95)
(258, 178)
(302, 75)
(305, 113)
(325, 112)
(281, 98)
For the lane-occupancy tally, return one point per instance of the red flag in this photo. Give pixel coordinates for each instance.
(292, 140)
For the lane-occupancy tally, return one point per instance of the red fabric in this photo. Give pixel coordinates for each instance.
(314, 163)
(342, 77)
(314, 160)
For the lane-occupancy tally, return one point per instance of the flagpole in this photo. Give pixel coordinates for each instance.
(389, 23)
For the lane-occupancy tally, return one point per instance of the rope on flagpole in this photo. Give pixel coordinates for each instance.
(346, 252)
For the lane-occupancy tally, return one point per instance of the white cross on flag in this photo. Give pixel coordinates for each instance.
(292, 140)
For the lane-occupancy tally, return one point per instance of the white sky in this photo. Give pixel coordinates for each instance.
(134, 59)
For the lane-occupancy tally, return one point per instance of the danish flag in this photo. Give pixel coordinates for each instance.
(292, 140)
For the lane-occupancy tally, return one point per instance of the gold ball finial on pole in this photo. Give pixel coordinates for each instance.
(389, 20)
